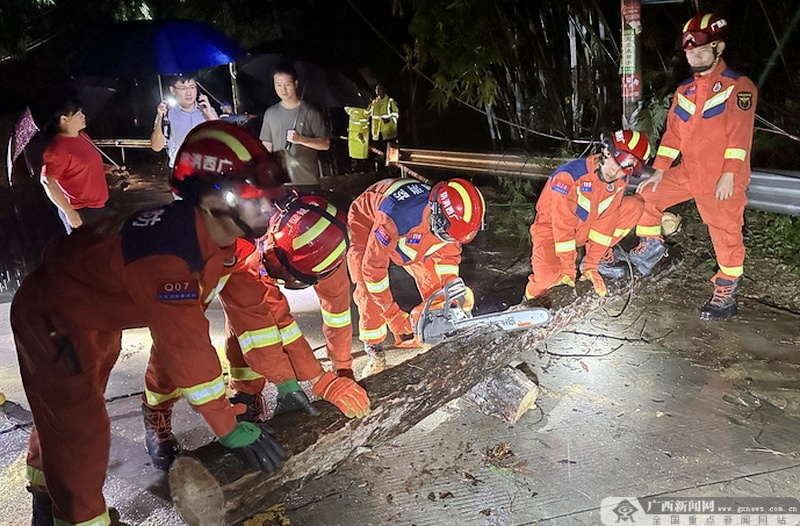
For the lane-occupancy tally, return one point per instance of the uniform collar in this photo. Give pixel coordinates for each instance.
(716, 72)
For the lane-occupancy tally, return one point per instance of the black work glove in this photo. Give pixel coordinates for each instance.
(254, 447)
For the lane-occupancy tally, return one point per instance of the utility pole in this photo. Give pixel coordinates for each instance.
(631, 64)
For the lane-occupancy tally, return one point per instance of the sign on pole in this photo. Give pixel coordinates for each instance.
(630, 65)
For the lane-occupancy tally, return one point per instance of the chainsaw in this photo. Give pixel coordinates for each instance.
(443, 314)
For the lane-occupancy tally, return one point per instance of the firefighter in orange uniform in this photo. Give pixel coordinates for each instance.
(413, 226)
(709, 133)
(154, 269)
(307, 240)
(319, 265)
(583, 204)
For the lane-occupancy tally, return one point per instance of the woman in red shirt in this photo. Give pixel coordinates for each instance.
(73, 174)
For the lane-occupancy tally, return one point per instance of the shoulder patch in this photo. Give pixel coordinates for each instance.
(560, 187)
(169, 230)
(744, 100)
(383, 236)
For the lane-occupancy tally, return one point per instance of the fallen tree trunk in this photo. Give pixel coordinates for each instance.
(209, 486)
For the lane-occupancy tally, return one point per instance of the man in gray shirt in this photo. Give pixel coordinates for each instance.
(294, 131)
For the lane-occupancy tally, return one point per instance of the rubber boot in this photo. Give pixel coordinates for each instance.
(608, 267)
(722, 304)
(295, 401)
(377, 359)
(42, 508)
(255, 413)
(159, 442)
(647, 254)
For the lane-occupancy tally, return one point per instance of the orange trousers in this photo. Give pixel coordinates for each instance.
(69, 445)
(545, 262)
(263, 342)
(724, 219)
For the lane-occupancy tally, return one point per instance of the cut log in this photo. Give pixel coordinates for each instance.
(505, 394)
(210, 486)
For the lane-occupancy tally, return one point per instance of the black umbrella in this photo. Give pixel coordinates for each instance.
(156, 47)
(318, 85)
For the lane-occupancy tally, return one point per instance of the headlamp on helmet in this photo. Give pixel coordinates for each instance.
(219, 156)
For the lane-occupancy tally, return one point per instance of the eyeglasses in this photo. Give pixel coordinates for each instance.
(185, 88)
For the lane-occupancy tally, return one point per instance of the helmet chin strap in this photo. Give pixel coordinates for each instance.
(599, 169)
(233, 214)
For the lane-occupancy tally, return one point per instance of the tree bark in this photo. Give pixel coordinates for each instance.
(210, 486)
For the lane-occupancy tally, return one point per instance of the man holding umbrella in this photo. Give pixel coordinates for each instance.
(192, 108)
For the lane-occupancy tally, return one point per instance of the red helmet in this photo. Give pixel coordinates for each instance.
(631, 150)
(217, 152)
(308, 235)
(457, 210)
(702, 29)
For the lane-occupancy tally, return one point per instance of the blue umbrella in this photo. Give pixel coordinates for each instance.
(156, 47)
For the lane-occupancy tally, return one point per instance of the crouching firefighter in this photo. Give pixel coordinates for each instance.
(583, 205)
(307, 239)
(418, 228)
(155, 270)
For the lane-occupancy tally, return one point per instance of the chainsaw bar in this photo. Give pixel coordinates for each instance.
(442, 316)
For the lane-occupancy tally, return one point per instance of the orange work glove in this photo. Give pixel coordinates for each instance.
(400, 324)
(344, 393)
(469, 301)
(565, 279)
(407, 341)
(597, 280)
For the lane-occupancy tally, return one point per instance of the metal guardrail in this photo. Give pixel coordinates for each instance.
(775, 191)
(122, 144)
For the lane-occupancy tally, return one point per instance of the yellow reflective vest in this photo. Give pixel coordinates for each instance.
(384, 115)
(358, 132)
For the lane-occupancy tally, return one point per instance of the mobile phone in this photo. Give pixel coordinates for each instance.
(197, 99)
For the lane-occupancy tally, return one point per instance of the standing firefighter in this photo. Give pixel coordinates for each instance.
(709, 134)
(583, 204)
(157, 269)
(418, 228)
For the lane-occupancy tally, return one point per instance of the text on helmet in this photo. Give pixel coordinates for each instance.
(447, 206)
(718, 24)
(207, 163)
